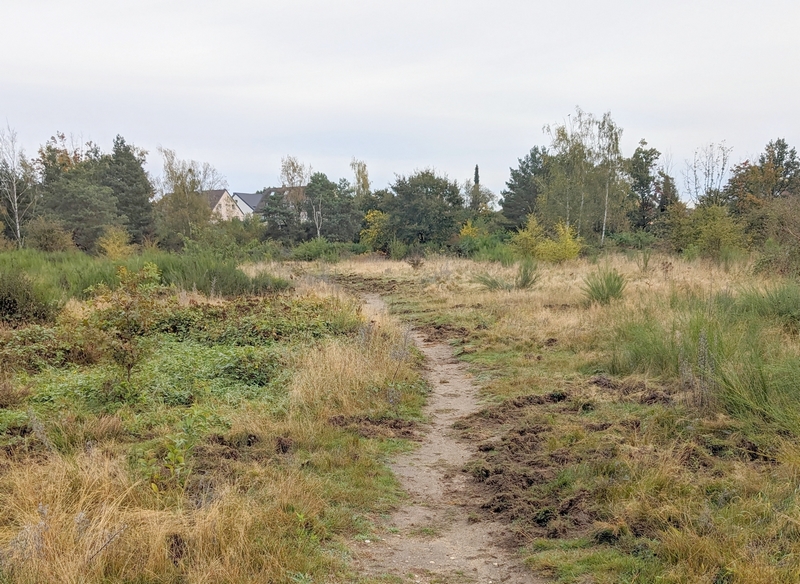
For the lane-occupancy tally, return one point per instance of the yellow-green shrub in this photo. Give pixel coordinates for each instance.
(115, 243)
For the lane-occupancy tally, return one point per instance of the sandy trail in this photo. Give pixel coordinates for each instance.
(433, 538)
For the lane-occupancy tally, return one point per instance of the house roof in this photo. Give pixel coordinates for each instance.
(255, 200)
(252, 200)
(214, 196)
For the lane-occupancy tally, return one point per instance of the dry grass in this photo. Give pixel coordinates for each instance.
(340, 376)
(84, 519)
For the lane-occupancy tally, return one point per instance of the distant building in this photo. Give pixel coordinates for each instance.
(250, 203)
(223, 206)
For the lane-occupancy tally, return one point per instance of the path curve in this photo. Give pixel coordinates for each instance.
(434, 538)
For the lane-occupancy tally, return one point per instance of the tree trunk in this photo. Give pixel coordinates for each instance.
(605, 215)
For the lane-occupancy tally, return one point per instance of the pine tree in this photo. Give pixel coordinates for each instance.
(124, 174)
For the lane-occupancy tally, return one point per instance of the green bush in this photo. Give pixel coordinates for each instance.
(323, 250)
(397, 249)
(603, 286)
(24, 301)
(44, 234)
(315, 249)
(633, 240)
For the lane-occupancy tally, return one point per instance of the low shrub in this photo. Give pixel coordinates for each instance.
(115, 243)
(6, 244)
(24, 301)
(44, 234)
(633, 240)
(398, 250)
(315, 249)
(531, 242)
(565, 246)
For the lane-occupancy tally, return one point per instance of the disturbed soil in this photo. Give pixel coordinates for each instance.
(441, 534)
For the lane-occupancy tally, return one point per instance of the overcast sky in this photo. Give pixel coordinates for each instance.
(402, 85)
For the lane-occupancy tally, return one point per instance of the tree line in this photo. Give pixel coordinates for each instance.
(578, 185)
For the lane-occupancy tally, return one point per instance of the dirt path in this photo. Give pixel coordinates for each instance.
(435, 538)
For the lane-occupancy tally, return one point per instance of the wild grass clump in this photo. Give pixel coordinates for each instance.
(727, 353)
(780, 303)
(212, 276)
(603, 286)
(527, 276)
(341, 376)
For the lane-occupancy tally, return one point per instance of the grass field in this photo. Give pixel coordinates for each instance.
(641, 416)
(649, 438)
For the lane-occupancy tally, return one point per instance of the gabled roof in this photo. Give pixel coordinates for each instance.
(255, 200)
(214, 196)
(252, 200)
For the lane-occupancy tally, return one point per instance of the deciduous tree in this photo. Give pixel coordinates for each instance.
(643, 175)
(705, 174)
(182, 211)
(424, 207)
(17, 181)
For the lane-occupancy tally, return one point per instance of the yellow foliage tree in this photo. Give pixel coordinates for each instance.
(115, 243)
(469, 230)
(376, 233)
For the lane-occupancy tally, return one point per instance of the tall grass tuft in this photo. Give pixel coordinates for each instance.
(526, 278)
(527, 275)
(603, 286)
(780, 303)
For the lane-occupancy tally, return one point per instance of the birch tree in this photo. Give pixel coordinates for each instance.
(608, 135)
(17, 181)
(572, 159)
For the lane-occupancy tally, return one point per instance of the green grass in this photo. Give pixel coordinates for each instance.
(735, 350)
(71, 274)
